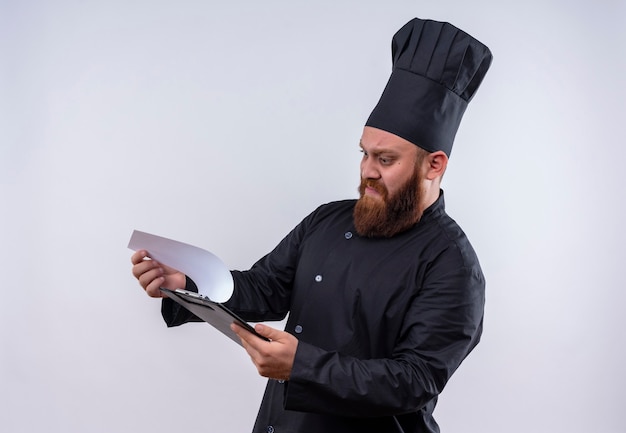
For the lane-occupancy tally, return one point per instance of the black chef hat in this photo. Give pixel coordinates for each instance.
(437, 68)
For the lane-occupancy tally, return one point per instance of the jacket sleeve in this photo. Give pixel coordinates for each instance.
(263, 293)
(441, 326)
(175, 314)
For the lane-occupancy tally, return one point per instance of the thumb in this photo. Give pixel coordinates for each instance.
(267, 331)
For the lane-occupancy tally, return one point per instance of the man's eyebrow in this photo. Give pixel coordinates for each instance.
(380, 151)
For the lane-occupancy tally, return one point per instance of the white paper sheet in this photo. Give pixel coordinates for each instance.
(206, 269)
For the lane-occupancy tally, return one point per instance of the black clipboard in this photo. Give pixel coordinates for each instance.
(214, 313)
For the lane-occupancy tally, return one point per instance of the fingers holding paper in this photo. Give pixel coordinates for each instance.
(152, 275)
(273, 359)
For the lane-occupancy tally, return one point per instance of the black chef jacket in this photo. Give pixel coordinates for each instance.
(382, 323)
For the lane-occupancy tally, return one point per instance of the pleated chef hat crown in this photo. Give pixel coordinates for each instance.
(437, 69)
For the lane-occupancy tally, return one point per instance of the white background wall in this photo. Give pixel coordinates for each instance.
(223, 124)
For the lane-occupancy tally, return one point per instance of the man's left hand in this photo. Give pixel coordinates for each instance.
(273, 359)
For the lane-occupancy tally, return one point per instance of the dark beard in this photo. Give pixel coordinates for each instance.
(388, 216)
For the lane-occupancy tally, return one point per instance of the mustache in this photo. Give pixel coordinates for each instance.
(374, 184)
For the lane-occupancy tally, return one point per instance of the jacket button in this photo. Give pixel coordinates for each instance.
(298, 329)
(270, 429)
(318, 278)
(348, 235)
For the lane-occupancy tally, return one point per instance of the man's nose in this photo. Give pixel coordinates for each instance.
(369, 169)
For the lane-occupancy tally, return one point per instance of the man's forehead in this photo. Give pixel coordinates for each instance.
(380, 140)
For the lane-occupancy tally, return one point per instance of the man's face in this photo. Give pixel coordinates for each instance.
(390, 185)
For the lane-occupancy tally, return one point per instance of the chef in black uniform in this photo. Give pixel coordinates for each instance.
(385, 294)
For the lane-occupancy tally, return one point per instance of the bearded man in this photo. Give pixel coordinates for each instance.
(385, 294)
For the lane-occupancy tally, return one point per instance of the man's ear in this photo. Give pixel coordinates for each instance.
(436, 164)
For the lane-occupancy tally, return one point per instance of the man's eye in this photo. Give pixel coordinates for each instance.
(385, 161)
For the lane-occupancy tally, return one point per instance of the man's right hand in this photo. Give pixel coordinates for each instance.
(152, 275)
